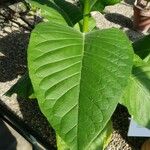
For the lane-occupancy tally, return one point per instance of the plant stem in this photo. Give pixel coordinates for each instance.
(86, 12)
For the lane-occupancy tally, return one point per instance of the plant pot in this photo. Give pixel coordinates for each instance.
(146, 145)
(142, 15)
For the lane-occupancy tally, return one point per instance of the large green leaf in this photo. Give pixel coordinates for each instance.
(74, 13)
(147, 59)
(142, 47)
(95, 5)
(78, 78)
(92, 24)
(99, 143)
(109, 2)
(59, 11)
(103, 139)
(99, 5)
(137, 94)
(23, 87)
(51, 12)
(61, 145)
(91, 2)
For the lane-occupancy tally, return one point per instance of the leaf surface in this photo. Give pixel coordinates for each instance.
(99, 143)
(74, 13)
(78, 78)
(23, 87)
(137, 94)
(51, 12)
(103, 139)
(142, 47)
(109, 2)
(92, 24)
(99, 5)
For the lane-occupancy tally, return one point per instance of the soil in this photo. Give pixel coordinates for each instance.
(14, 38)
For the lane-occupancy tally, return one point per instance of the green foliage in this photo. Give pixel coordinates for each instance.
(78, 78)
(99, 143)
(74, 13)
(109, 2)
(54, 10)
(99, 5)
(61, 145)
(50, 11)
(23, 88)
(142, 47)
(137, 94)
(92, 24)
(103, 138)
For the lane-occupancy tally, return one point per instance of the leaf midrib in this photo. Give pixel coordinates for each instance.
(82, 53)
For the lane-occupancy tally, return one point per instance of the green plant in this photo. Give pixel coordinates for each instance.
(78, 75)
(137, 94)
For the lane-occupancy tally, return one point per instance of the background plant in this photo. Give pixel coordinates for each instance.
(78, 76)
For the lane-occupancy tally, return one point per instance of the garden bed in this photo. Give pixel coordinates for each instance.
(14, 39)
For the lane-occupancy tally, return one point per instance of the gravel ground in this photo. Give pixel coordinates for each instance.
(14, 39)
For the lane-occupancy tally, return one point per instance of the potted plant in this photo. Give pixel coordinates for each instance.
(79, 76)
(146, 145)
(142, 15)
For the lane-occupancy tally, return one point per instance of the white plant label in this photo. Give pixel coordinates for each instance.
(136, 130)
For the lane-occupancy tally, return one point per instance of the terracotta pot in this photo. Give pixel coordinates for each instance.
(146, 145)
(142, 15)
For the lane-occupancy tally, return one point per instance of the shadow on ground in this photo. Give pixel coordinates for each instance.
(7, 140)
(130, 2)
(124, 22)
(121, 124)
(3, 2)
(134, 35)
(33, 117)
(13, 60)
(13, 55)
(119, 19)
